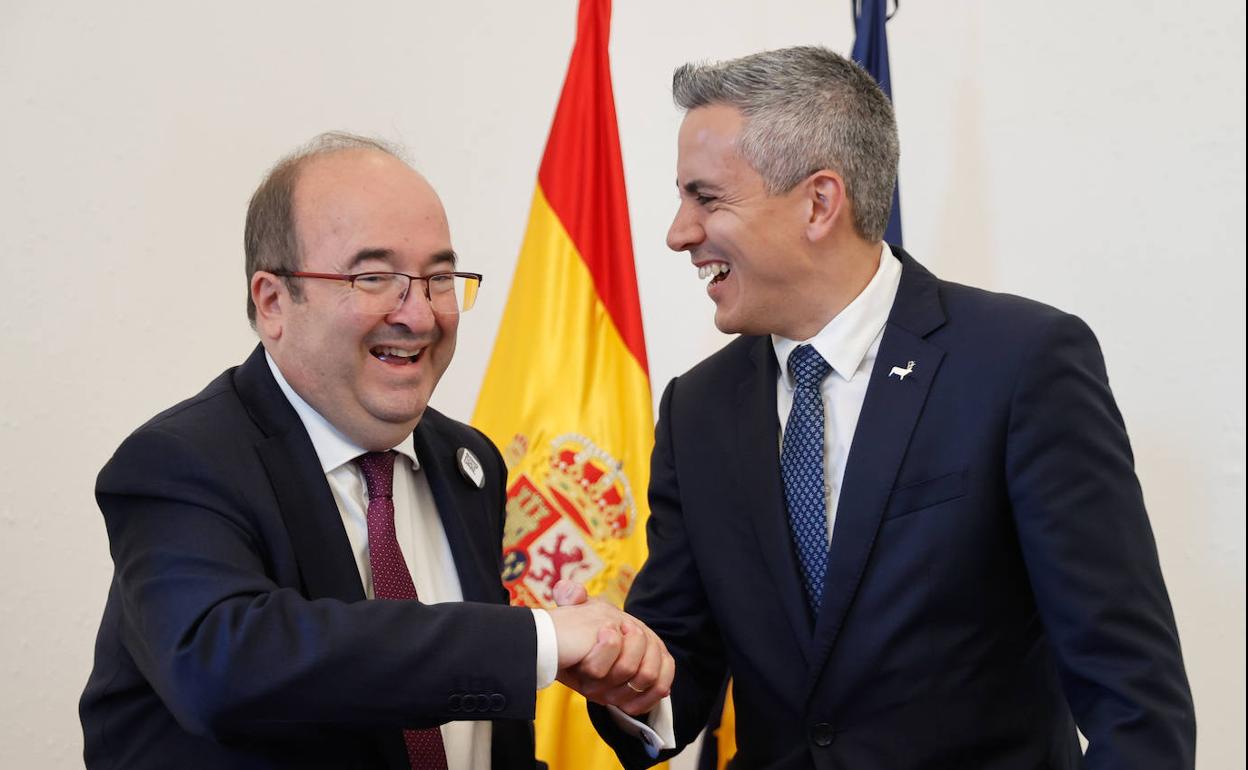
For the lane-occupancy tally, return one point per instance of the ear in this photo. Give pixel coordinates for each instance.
(271, 298)
(829, 205)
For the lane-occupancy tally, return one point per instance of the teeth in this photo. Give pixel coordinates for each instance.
(712, 269)
(399, 352)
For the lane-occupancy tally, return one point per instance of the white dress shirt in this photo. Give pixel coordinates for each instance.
(849, 343)
(423, 543)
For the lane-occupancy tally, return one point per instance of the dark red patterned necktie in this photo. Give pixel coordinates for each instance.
(392, 580)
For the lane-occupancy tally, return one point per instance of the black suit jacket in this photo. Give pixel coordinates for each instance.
(992, 578)
(236, 632)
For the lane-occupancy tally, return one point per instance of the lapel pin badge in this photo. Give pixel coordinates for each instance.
(901, 373)
(470, 467)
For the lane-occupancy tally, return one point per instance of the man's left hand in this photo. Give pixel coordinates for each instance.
(633, 675)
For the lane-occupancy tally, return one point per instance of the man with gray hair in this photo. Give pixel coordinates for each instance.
(900, 513)
(307, 556)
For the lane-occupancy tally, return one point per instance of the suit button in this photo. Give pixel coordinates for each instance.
(497, 702)
(823, 734)
(454, 703)
(471, 703)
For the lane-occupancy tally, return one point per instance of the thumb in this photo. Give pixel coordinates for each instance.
(569, 592)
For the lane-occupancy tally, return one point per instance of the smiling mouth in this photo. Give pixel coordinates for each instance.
(396, 356)
(716, 271)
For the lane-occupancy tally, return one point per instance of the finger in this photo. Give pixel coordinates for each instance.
(649, 665)
(667, 674)
(632, 652)
(570, 592)
(644, 703)
(601, 657)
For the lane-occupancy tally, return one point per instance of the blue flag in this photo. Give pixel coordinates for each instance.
(871, 51)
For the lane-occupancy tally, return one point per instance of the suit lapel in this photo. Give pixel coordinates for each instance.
(312, 518)
(758, 471)
(889, 414)
(313, 523)
(463, 518)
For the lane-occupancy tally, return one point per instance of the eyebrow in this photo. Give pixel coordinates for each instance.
(694, 186)
(445, 256)
(364, 255)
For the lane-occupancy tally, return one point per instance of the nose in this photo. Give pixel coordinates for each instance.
(686, 231)
(415, 312)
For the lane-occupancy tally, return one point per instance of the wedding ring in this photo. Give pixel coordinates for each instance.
(633, 687)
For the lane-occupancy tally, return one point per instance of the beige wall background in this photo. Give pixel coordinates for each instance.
(1090, 155)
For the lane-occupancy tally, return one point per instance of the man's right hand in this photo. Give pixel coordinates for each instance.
(607, 655)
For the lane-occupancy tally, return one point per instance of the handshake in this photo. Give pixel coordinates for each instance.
(607, 655)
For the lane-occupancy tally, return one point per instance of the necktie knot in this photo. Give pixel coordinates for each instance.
(378, 468)
(807, 367)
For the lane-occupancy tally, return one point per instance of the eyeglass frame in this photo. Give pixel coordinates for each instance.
(352, 277)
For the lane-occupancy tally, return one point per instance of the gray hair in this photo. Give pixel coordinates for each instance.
(806, 108)
(270, 242)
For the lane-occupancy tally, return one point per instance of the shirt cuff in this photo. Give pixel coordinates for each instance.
(656, 732)
(547, 649)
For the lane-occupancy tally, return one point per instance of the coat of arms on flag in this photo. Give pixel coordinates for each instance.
(564, 516)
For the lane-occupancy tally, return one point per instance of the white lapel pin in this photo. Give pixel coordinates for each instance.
(901, 373)
(470, 466)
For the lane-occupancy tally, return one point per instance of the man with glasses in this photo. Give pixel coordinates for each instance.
(307, 556)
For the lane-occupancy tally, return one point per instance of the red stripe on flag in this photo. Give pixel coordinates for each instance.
(583, 177)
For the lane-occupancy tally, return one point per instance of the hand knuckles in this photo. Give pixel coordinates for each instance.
(593, 670)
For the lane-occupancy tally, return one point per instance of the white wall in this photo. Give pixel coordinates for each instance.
(1090, 155)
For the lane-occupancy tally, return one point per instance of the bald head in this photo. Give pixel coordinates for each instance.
(270, 240)
(338, 191)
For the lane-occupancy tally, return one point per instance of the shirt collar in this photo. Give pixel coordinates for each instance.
(333, 448)
(848, 337)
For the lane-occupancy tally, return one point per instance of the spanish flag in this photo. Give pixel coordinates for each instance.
(567, 392)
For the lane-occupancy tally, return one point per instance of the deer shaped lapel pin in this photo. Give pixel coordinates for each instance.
(901, 373)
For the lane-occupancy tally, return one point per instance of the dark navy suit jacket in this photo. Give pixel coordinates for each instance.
(992, 580)
(236, 633)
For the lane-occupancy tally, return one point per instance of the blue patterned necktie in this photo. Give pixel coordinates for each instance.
(801, 467)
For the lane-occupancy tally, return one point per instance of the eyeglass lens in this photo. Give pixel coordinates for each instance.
(383, 293)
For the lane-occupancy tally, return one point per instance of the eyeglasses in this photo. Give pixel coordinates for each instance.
(383, 293)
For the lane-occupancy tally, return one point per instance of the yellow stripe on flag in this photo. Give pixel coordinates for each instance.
(570, 405)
